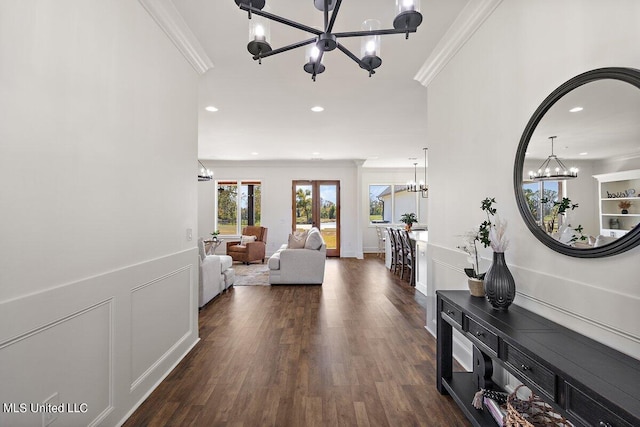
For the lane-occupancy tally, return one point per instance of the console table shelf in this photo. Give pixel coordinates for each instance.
(589, 383)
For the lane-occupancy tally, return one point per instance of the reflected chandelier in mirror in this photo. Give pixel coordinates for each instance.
(593, 121)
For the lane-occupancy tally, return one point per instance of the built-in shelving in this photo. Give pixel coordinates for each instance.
(614, 188)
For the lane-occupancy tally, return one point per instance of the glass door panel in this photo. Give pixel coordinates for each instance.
(317, 204)
(303, 206)
(329, 203)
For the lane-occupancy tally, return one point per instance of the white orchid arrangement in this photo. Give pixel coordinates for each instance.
(469, 246)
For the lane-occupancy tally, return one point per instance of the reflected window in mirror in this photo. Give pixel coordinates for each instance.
(541, 197)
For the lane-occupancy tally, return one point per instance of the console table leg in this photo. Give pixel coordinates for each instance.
(444, 351)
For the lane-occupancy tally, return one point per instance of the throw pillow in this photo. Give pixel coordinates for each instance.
(201, 250)
(247, 239)
(314, 240)
(297, 240)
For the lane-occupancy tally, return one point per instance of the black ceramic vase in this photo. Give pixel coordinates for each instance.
(499, 284)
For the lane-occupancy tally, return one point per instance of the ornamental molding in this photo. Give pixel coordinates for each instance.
(466, 24)
(168, 18)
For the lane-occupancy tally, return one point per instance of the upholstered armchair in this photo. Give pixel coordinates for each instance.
(249, 250)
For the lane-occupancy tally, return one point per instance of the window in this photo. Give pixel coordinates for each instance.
(387, 203)
(542, 207)
(239, 205)
(379, 204)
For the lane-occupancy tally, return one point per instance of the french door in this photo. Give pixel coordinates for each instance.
(317, 204)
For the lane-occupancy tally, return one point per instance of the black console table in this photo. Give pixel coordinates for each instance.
(589, 383)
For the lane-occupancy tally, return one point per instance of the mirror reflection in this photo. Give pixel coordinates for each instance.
(581, 172)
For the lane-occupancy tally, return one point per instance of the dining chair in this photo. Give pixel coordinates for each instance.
(381, 241)
(409, 256)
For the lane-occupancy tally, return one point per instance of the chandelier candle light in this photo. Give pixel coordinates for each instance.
(407, 20)
(547, 171)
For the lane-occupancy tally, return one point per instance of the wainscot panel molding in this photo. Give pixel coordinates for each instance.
(469, 20)
(83, 342)
(164, 12)
(154, 335)
(81, 357)
(599, 313)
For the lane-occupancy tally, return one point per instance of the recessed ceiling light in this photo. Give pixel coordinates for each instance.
(254, 153)
(211, 108)
(317, 109)
(584, 153)
(315, 153)
(576, 109)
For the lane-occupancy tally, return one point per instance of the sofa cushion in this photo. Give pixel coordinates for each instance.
(201, 250)
(314, 240)
(225, 262)
(229, 277)
(603, 240)
(274, 261)
(297, 240)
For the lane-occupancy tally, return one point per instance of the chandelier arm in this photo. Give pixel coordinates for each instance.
(356, 59)
(564, 168)
(375, 32)
(285, 48)
(318, 60)
(281, 20)
(333, 16)
(544, 165)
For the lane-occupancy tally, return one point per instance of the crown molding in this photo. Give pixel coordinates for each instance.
(468, 21)
(166, 15)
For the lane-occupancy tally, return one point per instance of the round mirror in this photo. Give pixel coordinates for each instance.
(577, 168)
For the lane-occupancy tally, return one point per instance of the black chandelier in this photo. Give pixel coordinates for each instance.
(407, 20)
(421, 187)
(205, 174)
(552, 169)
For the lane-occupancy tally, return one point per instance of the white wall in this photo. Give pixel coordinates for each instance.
(478, 108)
(276, 179)
(98, 280)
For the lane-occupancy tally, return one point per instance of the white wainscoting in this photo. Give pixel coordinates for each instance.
(105, 341)
(596, 312)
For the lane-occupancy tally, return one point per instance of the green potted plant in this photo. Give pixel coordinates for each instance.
(215, 235)
(408, 219)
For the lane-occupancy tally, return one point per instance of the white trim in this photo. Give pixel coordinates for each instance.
(168, 18)
(601, 325)
(465, 25)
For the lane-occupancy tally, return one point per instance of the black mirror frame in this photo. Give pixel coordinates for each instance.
(624, 243)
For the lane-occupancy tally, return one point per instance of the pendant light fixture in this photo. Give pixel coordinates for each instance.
(421, 187)
(407, 20)
(552, 169)
(205, 174)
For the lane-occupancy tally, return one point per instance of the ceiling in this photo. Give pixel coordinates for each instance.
(265, 110)
(607, 127)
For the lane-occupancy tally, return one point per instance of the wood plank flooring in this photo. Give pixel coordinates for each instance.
(352, 352)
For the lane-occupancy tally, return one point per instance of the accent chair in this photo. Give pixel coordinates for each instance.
(247, 251)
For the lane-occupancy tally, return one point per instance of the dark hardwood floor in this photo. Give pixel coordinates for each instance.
(352, 352)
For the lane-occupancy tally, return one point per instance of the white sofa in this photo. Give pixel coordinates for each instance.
(303, 266)
(216, 275)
